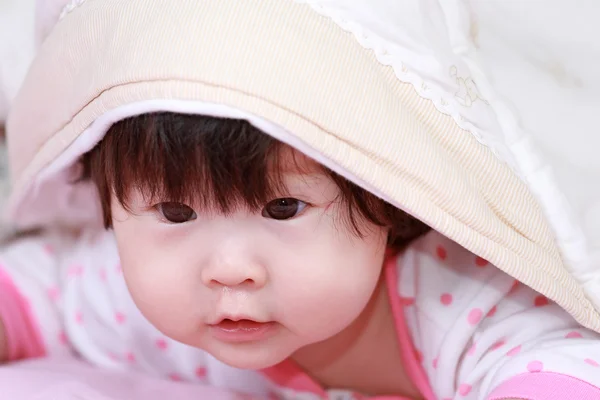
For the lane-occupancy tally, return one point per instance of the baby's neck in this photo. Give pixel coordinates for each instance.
(365, 357)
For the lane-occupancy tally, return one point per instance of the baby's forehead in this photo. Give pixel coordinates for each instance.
(294, 162)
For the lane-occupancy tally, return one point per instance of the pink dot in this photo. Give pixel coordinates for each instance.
(49, 249)
(514, 351)
(62, 338)
(79, 317)
(53, 293)
(435, 363)
(201, 372)
(175, 377)
(446, 299)
(130, 357)
(161, 344)
(480, 262)
(591, 362)
(103, 275)
(118, 269)
(120, 318)
(475, 316)
(535, 366)
(464, 389)
(75, 270)
(498, 344)
(407, 301)
(472, 349)
(541, 301)
(492, 312)
(574, 335)
(514, 287)
(441, 253)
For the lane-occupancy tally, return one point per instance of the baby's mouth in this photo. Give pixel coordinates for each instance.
(230, 325)
(242, 330)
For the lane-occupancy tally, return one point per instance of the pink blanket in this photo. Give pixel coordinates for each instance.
(70, 379)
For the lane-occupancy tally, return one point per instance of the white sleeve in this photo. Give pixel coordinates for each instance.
(531, 349)
(484, 336)
(30, 296)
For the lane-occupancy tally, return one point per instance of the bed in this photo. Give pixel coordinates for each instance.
(72, 379)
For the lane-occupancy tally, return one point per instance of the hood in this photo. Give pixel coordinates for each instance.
(383, 92)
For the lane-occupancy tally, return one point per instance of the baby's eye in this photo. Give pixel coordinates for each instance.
(282, 209)
(176, 213)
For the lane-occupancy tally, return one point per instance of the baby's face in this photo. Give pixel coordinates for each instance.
(251, 288)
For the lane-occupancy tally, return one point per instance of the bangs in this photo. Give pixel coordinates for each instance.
(218, 165)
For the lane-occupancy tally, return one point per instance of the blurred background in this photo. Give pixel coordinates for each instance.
(23, 24)
(17, 48)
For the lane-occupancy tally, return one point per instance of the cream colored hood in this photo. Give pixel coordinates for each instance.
(392, 95)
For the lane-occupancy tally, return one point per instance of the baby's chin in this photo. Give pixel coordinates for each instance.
(251, 356)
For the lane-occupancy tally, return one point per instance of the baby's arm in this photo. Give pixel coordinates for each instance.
(483, 336)
(537, 352)
(30, 320)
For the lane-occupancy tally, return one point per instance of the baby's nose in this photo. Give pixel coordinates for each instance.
(250, 275)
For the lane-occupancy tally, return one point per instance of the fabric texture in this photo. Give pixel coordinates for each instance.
(464, 327)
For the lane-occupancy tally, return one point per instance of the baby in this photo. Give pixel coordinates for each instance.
(225, 246)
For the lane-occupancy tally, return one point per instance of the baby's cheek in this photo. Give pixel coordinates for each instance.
(157, 297)
(326, 308)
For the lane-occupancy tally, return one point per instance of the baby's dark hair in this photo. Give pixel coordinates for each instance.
(221, 164)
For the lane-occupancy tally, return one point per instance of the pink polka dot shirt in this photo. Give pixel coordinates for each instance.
(466, 330)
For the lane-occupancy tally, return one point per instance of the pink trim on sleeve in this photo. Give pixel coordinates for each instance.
(22, 334)
(545, 386)
(287, 374)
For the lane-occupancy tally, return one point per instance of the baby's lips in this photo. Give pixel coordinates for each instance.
(242, 324)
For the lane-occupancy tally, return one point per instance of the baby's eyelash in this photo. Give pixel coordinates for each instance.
(175, 213)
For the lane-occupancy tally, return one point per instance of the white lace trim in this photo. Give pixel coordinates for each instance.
(443, 101)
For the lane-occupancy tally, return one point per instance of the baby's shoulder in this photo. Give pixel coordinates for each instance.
(436, 251)
(434, 269)
(60, 248)
(92, 249)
